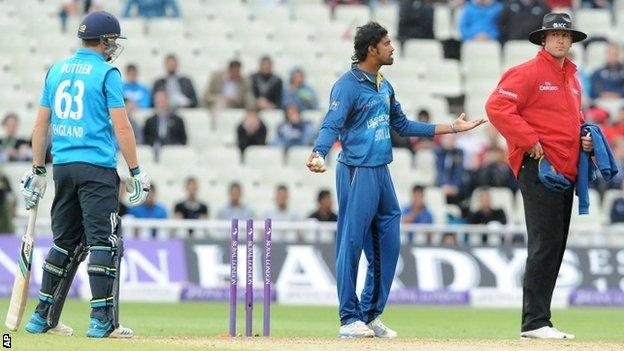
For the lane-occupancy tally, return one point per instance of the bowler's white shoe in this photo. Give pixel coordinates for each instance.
(356, 329)
(61, 329)
(545, 333)
(121, 332)
(380, 329)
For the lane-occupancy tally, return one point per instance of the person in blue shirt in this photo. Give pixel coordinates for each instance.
(82, 106)
(136, 91)
(150, 209)
(152, 8)
(479, 20)
(362, 109)
(416, 212)
(299, 93)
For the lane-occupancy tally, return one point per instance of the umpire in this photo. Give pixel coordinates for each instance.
(537, 108)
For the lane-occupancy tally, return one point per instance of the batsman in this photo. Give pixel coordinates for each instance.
(82, 102)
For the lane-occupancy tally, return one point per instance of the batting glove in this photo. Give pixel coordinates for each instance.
(137, 186)
(33, 186)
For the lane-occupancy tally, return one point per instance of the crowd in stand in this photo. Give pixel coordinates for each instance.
(463, 163)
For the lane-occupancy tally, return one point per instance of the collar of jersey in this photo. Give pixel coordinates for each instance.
(89, 52)
(362, 76)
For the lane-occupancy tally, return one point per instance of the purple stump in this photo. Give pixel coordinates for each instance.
(249, 288)
(233, 275)
(267, 279)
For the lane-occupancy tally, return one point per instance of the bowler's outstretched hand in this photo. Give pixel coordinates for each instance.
(461, 125)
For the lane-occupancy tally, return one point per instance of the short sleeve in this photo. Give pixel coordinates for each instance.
(45, 100)
(114, 89)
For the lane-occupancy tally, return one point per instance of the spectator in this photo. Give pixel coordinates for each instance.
(235, 208)
(416, 211)
(614, 129)
(266, 86)
(520, 17)
(134, 90)
(14, 148)
(281, 212)
(559, 5)
(480, 20)
(495, 172)
(414, 143)
(179, 88)
(151, 8)
(191, 207)
(597, 4)
(7, 206)
(299, 93)
(74, 8)
(164, 127)
(617, 209)
(486, 214)
(608, 81)
(449, 168)
(251, 131)
(415, 20)
(229, 89)
(138, 134)
(294, 131)
(150, 209)
(324, 212)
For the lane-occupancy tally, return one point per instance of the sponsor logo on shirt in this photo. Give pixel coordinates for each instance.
(507, 93)
(576, 92)
(378, 121)
(334, 105)
(548, 87)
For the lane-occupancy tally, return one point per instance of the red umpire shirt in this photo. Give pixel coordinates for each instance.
(540, 101)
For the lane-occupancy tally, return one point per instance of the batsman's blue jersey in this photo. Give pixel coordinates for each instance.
(79, 91)
(362, 109)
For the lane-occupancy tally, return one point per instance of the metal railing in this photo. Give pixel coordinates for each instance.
(312, 231)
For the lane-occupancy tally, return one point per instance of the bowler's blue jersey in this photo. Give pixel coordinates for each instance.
(79, 91)
(362, 109)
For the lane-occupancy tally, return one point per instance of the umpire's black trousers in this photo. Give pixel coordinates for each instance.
(547, 216)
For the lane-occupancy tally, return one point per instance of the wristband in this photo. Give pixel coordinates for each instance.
(453, 128)
(135, 171)
(39, 170)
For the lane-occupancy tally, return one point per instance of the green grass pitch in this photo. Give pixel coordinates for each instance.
(152, 321)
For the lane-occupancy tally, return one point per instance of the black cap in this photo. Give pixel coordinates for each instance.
(556, 21)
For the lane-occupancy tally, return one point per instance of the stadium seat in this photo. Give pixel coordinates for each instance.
(443, 78)
(594, 22)
(388, 16)
(518, 51)
(442, 23)
(423, 51)
(425, 169)
(258, 156)
(590, 222)
(435, 200)
(595, 56)
(481, 58)
(312, 13)
(354, 15)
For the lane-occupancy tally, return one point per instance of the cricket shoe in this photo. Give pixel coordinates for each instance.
(98, 329)
(38, 325)
(545, 333)
(380, 329)
(356, 329)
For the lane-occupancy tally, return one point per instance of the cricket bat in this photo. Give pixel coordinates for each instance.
(22, 276)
